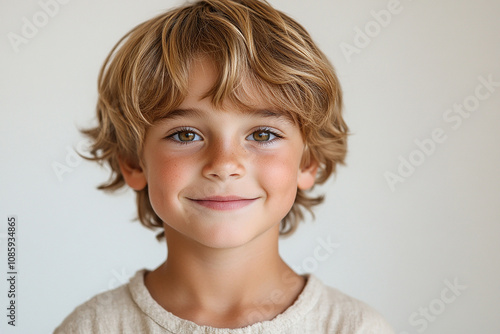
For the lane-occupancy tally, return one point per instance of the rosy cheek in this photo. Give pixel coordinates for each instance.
(169, 168)
(165, 176)
(279, 173)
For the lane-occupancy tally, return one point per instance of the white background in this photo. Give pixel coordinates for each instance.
(395, 248)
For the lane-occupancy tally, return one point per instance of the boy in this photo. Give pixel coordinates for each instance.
(220, 115)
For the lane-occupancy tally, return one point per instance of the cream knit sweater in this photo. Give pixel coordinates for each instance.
(131, 309)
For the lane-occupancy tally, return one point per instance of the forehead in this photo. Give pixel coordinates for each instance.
(243, 97)
(208, 81)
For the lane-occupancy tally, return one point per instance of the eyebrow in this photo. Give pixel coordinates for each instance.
(177, 113)
(269, 113)
(194, 112)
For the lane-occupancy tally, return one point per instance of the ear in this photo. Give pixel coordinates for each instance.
(307, 176)
(133, 175)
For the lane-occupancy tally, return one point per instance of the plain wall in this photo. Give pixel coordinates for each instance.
(398, 247)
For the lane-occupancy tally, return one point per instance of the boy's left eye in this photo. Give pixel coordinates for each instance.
(262, 136)
(185, 136)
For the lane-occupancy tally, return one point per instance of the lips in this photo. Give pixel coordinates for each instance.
(223, 203)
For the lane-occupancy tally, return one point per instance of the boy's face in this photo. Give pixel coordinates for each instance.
(221, 178)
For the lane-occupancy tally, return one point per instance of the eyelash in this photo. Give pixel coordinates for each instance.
(267, 130)
(271, 131)
(184, 129)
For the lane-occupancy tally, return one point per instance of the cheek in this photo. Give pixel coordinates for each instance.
(165, 179)
(278, 175)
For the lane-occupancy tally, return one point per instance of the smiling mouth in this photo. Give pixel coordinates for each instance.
(224, 203)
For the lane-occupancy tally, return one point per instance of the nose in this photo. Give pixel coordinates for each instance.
(225, 160)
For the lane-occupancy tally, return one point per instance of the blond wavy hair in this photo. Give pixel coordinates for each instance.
(145, 76)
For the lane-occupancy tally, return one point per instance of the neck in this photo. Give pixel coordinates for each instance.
(233, 282)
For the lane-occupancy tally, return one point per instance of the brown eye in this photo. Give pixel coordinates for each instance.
(186, 136)
(261, 135)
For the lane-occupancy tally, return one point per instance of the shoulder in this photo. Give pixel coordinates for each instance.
(345, 314)
(102, 313)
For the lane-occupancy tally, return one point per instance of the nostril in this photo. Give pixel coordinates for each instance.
(224, 174)
(223, 163)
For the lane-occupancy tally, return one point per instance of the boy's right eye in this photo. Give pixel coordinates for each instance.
(185, 136)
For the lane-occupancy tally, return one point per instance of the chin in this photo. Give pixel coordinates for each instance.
(232, 237)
